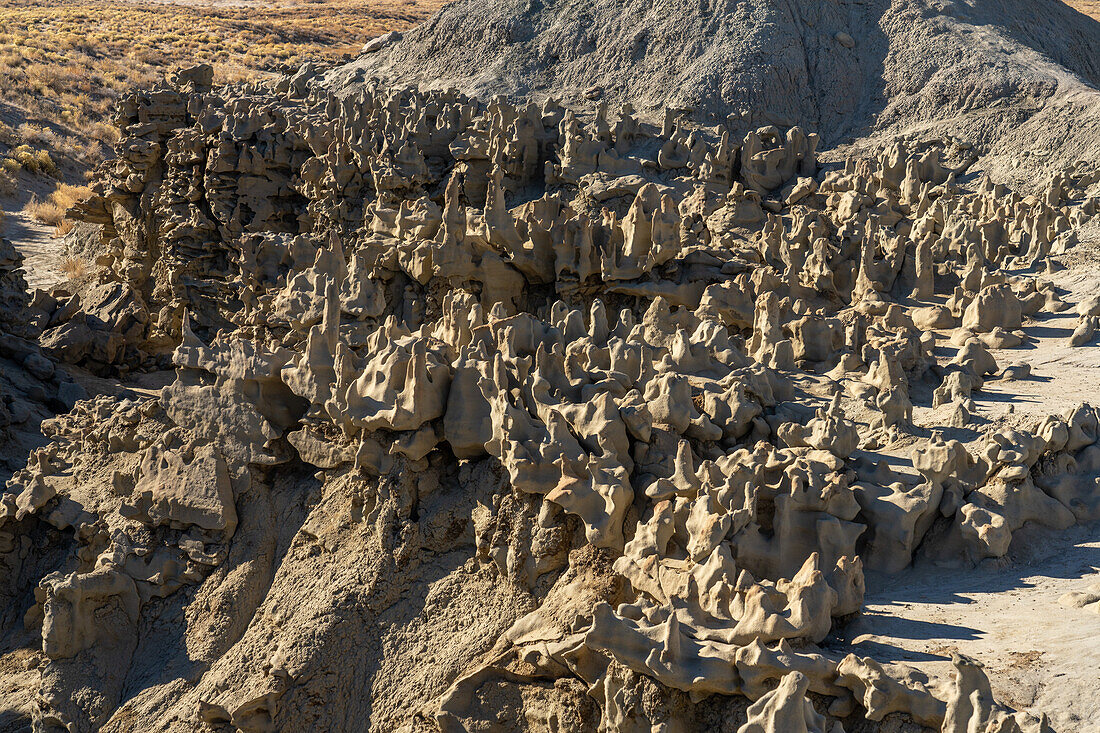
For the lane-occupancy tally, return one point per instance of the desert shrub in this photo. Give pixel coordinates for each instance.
(7, 183)
(52, 210)
(73, 268)
(35, 161)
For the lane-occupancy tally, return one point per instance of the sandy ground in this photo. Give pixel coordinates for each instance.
(42, 250)
(1062, 376)
(1040, 655)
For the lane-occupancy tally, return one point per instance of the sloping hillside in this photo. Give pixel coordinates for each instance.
(975, 70)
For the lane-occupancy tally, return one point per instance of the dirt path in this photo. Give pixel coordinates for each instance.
(42, 250)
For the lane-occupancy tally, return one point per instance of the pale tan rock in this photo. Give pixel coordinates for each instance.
(898, 517)
(186, 487)
(1085, 331)
(957, 387)
(75, 606)
(809, 601)
(995, 306)
(933, 317)
(785, 709)
(985, 529)
(465, 351)
(760, 667)
(403, 386)
(881, 690)
(972, 707)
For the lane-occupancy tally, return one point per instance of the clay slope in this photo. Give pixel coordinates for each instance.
(977, 70)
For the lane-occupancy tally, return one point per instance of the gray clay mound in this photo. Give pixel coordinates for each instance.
(992, 72)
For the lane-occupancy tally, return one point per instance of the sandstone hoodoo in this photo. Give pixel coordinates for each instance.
(500, 407)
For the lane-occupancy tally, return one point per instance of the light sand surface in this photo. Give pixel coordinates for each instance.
(1040, 655)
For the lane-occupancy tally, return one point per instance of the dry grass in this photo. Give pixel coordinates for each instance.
(64, 63)
(73, 268)
(1088, 7)
(45, 212)
(51, 212)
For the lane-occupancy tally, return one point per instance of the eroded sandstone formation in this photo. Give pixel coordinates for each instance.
(520, 414)
(32, 386)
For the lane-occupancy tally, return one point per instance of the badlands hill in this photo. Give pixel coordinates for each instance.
(1008, 75)
(469, 408)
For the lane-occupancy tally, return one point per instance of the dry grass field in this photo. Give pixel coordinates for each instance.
(1088, 7)
(64, 63)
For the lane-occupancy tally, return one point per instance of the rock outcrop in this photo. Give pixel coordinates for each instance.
(521, 413)
(32, 384)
